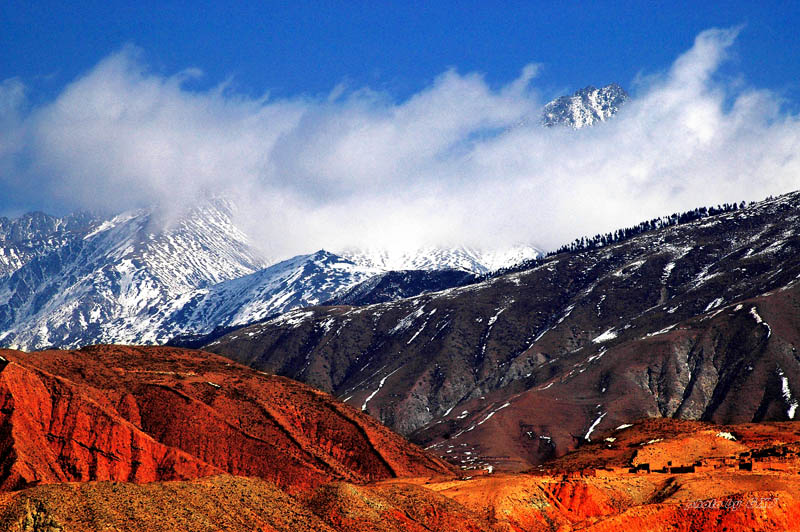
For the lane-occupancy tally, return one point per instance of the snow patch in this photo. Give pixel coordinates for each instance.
(667, 271)
(407, 321)
(760, 321)
(597, 356)
(786, 392)
(662, 331)
(380, 385)
(605, 337)
(594, 426)
(493, 412)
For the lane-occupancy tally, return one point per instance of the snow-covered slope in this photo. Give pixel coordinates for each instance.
(440, 258)
(119, 282)
(496, 259)
(134, 279)
(36, 234)
(586, 107)
(301, 281)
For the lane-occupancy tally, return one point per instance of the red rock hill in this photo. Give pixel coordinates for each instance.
(153, 414)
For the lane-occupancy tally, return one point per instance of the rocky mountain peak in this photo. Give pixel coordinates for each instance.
(585, 107)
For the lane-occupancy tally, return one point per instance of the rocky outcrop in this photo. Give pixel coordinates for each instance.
(596, 488)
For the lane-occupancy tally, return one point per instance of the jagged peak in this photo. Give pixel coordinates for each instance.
(585, 106)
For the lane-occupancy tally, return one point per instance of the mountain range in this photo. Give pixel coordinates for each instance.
(432, 258)
(138, 279)
(118, 280)
(645, 379)
(692, 321)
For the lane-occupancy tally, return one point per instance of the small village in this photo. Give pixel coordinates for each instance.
(783, 459)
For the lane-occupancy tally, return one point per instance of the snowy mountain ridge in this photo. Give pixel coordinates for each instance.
(119, 281)
(134, 279)
(441, 258)
(301, 281)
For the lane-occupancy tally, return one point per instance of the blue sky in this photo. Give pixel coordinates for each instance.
(433, 135)
(300, 47)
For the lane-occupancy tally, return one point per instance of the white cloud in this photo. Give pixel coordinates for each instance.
(12, 101)
(457, 163)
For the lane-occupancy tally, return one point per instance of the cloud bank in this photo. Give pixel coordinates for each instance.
(459, 162)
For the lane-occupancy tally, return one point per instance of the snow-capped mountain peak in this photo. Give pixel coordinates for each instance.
(441, 258)
(585, 107)
(301, 281)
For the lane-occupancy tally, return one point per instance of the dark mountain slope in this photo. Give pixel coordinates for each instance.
(394, 285)
(438, 364)
(725, 366)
